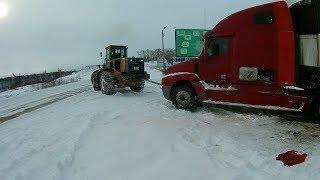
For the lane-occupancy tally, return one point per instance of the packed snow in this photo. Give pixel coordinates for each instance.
(214, 87)
(181, 73)
(88, 135)
(294, 88)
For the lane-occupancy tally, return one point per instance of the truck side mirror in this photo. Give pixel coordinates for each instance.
(101, 54)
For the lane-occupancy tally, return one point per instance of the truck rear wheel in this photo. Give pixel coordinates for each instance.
(316, 110)
(138, 87)
(107, 84)
(95, 80)
(184, 97)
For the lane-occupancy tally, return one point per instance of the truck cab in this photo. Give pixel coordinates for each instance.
(115, 52)
(256, 57)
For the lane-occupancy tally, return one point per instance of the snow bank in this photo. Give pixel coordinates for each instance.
(84, 74)
(155, 74)
(18, 91)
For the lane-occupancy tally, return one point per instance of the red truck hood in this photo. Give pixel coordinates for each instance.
(187, 66)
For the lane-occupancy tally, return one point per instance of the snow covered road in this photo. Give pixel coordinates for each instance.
(142, 136)
(9, 113)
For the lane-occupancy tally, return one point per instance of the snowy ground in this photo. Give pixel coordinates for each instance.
(76, 133)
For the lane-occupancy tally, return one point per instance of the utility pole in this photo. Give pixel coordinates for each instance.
(163, 41)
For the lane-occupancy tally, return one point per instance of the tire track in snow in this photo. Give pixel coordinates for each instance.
(65, 166)
(8, 110)
(218, 148)
(69, 159)
(4, 172)
(106, 118)
(47, 101)
(40, 149)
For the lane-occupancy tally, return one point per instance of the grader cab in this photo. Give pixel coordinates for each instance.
(119, 71)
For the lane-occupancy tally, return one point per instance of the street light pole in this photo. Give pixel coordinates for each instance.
(163, 41)
(163, 56)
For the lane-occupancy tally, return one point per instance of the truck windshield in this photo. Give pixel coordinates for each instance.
(117, 53)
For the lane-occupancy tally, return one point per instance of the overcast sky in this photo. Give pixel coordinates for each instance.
(41, 35)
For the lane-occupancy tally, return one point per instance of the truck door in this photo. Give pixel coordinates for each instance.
(214, 66)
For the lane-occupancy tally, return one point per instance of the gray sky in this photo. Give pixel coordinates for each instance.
(41, 35)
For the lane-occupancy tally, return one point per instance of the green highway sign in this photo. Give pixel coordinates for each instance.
(189, 42)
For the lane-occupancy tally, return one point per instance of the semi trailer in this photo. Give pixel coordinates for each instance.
(264, 57)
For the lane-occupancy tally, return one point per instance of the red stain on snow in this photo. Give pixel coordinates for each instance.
(292, 158)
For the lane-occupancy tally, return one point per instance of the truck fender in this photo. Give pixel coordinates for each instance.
(170, 81)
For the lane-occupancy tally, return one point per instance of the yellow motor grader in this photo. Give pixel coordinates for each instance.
(119, 71)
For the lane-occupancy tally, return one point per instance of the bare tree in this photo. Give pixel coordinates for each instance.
(156, 54)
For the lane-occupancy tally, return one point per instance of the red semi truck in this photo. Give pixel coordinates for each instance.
(264, 57)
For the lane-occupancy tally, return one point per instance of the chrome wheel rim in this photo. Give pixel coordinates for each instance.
(183, 99)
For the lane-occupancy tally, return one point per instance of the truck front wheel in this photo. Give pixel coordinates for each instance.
(107, 84)
(184, 97)
(95, 79)
(316, 110)
(138, 87)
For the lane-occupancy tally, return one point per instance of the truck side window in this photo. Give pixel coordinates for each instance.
(218, 47)
(264, 18)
